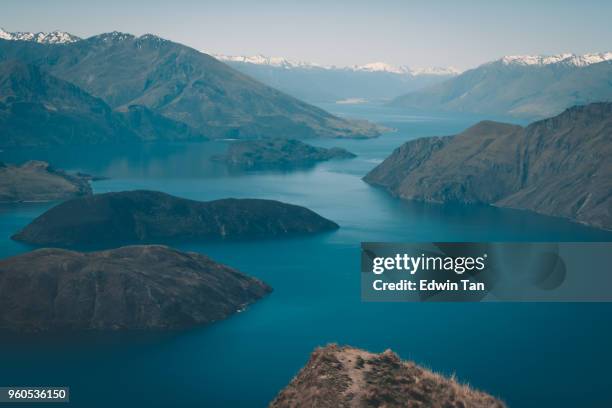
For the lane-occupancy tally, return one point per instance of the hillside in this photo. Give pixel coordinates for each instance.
(128, 288)
(38, 109)
(182, 84)
(559, 166)
(344, 377)
(527, 87)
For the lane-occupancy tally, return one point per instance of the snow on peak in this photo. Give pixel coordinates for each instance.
(54, 37)
(112, 37)
(566, 58)
(263, 60)
(381, 67)
(436, 71)
(405, 70)
(371, 67)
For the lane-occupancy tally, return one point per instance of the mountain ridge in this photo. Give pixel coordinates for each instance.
(557, 166)
(182, 84)
(528, 87)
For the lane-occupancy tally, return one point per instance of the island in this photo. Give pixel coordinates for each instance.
(141, 216)
(128, 288)
(344, 377)
(558, 166)
(278, 153)
(38, 181)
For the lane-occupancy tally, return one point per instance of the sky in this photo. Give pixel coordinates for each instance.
(419, 34)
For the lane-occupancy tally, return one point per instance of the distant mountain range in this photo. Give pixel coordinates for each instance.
(324, 83)
(54, 37)
(211, 98)
(169, 83)
(558, 166)
(521, 86)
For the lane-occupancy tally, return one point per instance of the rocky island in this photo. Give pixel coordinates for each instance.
(38, 181)
(343, 377)
(559, 166)
(278, 153)
(136, 287)
(154, 217)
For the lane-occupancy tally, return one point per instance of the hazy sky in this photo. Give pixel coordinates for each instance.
(341, 32)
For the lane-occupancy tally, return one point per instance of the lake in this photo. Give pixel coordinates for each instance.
(528, 354)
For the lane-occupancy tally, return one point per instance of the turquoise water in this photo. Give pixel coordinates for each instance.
(530, 355)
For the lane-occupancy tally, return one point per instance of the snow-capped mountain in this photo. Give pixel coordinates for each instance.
(381, 67)
(567, 59)
(527, 86)
(319, 83)
(286, 63)
(54, 37)
(259, 59)
(405, 70)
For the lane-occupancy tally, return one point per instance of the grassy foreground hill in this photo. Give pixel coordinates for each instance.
(343, 377)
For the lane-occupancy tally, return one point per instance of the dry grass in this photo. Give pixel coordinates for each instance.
(337, 377)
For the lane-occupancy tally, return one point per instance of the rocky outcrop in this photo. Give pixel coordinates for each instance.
(136, 287)
(155, 217)
(558, 166)
(37, 181)
(278, 153)
(343, 377)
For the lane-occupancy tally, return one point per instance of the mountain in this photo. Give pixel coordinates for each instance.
(181, 84)
(54, 37)
(37, 181)
(151, 126)
(38, 109)
(129, 288)
(154, 217)
(559, 166)
(278, 153)
(343, 377)
(521, 86)
(319, 83)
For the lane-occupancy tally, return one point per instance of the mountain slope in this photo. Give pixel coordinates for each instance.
(529, 87)
(129, 288)
(559, 166)
(39, 109)
(182, 84)
(344, 377)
